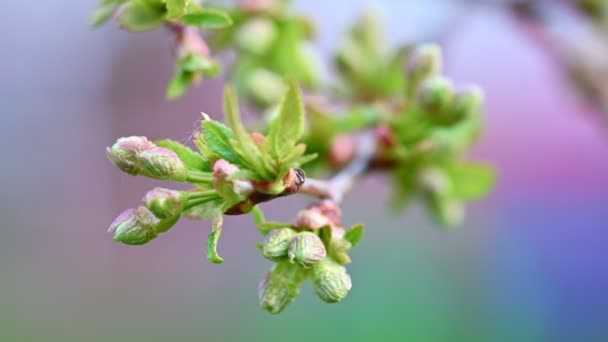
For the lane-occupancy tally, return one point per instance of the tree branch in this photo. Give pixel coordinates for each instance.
(336, 187)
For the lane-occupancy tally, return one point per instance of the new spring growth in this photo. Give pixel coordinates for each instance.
(162, 163)
(330, 281)
(435, 95)
(232, 191)
(139, 156)
(124, 153)
(306, 249)
(424, 62)
(281, 286)
(466, 102)
(256, 36)
(277, 242)
(138, 226)
(165, 203)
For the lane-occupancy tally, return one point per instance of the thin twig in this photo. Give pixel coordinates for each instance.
(336, 187)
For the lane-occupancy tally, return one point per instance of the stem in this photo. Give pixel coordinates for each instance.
(198, 201)
(200, 177)
(336, 187)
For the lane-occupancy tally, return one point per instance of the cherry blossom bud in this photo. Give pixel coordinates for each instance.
(306, 249)
(134, 226)
(231, 190)
(424, 62)
(281, 286)
(342, 150)
(277, 242)
(256, 35)
(330, 281)
(162, 163)
(124, 152)
(435, 180)
(165, 203)
(466, 102)
(311, 219)
(435, 94)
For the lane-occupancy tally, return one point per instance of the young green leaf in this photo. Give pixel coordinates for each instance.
(246, 148)
(193, 160)
(258, 215)
(208, 19)
(471, 181)
(205, 211)
(354, 234)
(287, 128)
(140, 15)
(176, 8)
(179, 84)
(104, 12)
(218, 138)
(214, 238)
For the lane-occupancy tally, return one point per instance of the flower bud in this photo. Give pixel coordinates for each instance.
(256, 35)
(276, 243)
(281, 286)
(330, 280)
(435, 180)
(466, 102)
(162, 163)
(435, 94)
(448, 211)
(134, 226)
(124, 152)
(306, 249)
(311, 219)
(231, 190)
(342, 150)
(265, 86)
(424, 62)
(165, 203)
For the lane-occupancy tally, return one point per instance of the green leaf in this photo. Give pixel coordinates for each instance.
(354, 234)
(325, 233)
(218, 138)
(245, 174)
(214, 238)
(104, 12)
(258, 215)
(447, 211)
(307, 159)
(194, 63)
(247, 150)
(193, 160)
(140, 15)
(205, 211)
(176, 8)
(179, 84)
(471, 181)
(287, 128)
(208, 19)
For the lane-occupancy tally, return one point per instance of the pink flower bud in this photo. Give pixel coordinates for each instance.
(124, 152)
(165, 203)
(134, 226)
(231, 190)
(311, 219)
(162, 163)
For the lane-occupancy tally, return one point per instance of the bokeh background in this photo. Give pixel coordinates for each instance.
(531, 263)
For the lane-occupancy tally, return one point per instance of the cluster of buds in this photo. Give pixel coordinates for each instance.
(313, 247)
(139, 156)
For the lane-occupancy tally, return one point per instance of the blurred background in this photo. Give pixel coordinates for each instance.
(530, 264)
